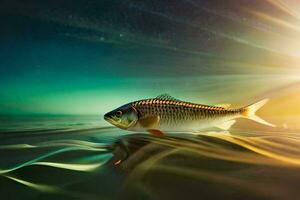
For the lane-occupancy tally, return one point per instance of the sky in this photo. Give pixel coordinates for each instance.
(88, 57)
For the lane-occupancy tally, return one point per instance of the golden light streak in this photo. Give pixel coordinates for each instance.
(284, 7)
(75, 167)
(273, 155)
(276, 20)
(260, 151)
(40, 187)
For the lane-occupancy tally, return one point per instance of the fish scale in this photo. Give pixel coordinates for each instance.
(174, 112)
(165, 113)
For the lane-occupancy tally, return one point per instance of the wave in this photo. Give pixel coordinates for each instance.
(217, 158)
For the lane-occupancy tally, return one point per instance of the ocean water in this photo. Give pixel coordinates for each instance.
(82, 157)
(63, 64)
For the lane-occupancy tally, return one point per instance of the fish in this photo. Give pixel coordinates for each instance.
(165, 113)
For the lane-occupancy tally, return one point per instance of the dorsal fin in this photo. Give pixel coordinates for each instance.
(225, 105)
(166, 97)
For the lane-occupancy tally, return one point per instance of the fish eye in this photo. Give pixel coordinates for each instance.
(119, 113)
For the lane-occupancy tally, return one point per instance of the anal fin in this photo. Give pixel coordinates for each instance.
(225, 125)
(156, 132)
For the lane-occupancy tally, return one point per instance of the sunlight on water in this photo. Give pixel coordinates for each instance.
(40, 187)
(212, 156)
(217, 159)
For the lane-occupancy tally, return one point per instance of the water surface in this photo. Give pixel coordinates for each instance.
(83, 160)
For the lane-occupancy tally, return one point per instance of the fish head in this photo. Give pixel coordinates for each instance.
(123, 117)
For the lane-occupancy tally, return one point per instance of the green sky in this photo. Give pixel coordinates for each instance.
(63, 59)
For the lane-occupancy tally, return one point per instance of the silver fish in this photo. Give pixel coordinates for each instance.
(168, 114)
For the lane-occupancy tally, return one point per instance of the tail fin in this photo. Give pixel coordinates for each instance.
(249, 112)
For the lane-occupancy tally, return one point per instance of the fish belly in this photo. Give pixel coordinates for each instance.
(194, 125)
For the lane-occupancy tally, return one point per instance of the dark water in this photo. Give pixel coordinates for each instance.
(80, 159)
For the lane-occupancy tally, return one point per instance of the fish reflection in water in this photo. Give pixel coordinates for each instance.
(214, 166)
(139, 166)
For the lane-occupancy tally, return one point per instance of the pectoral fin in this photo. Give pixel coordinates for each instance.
(149, 122)
(225, 125)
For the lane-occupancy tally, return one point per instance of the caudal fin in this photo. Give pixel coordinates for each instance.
(249, 112)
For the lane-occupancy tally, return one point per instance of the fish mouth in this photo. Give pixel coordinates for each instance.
(108, 118)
